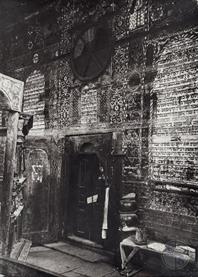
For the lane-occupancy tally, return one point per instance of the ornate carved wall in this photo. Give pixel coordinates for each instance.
(147, 92)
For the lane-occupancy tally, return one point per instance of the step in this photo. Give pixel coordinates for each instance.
(89, 245)
(77, 251)
(20, 250)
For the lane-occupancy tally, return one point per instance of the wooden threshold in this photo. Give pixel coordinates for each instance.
(90, 245)
(83, 241)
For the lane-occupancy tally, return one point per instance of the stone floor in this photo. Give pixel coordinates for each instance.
(73, 261)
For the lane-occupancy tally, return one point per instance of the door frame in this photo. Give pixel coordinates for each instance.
(103, 143)
(98, 187)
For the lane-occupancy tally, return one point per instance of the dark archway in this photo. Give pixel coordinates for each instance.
(87, 147)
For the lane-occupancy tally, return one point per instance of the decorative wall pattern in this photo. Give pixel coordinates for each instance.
(120, 62)
(137, 14)
(174, 146)
(51, 93)
(120, 71)
(173, 203)
(103, 100)
(132, 106)
(131, 148)
(65, 21)
(76, 105)
(122, 96)
(121, 21)
(116, 103)
(34, 100)
(64, 93)
(89, 106)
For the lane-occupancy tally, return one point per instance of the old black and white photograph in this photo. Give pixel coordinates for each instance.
(98, 138)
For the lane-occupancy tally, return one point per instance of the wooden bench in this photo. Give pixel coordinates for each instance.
(152, 247)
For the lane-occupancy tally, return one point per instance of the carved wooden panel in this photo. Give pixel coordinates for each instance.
(36, 211)
(13, 90)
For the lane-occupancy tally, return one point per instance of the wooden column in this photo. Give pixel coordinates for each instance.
(196, 257)
(8, 177)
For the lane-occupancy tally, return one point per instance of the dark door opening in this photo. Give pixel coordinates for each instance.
(89, 195)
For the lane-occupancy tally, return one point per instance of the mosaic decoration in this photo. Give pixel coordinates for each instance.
(157, 11)
(91, 10)
(65, 82)
(121, 21)
(120, 63)
(131, 107)
(116, 104)
(131, 148)
(76, 13)
(51, 91)
(173, 203)
(65, 21)
(89, 106)
(103, 100)
(174, 147)
(137, 16)
(120, 71)
(76, 93)
(33, 100)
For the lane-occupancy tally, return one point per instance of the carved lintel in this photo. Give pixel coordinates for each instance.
(13, 92)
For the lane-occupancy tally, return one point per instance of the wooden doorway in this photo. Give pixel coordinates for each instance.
(89, 157)
(89, 200)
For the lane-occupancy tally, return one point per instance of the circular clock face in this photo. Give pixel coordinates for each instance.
(92, 52)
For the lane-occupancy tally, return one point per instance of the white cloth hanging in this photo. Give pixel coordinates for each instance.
(105, 216)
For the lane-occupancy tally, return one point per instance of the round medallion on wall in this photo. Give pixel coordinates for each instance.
(92, 51)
